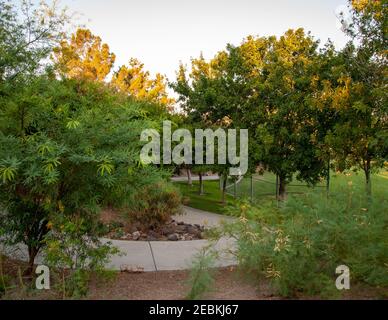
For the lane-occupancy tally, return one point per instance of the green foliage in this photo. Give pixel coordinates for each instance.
(49, 167)
(74, 250)
(28, 32)
(154, 204)
(8, 169)
(305, 108)
(201, 275)
(355, 89)
(67, 147)
(298, 246)
(263, 85)
(24, 221)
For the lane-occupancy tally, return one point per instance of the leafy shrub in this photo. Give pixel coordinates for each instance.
(74, 250)
(154, 205)
(201, 276)
(299, 245)
(77, 150)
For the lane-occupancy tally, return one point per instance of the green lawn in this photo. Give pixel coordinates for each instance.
(264, 189)
(210, 201)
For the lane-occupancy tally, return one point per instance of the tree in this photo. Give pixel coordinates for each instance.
(136, 82)
(66, 148)
(360, 136)
(84, 56)
(205, 101)
(27, 35)
(286, 123)
(263, 85)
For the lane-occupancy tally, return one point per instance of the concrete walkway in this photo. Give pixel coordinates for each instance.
(173, 255)
(161, 255)
(205, 218)
(195, 178)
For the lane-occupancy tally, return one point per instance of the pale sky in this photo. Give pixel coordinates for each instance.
(160, 33)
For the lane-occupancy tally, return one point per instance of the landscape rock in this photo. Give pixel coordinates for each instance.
(173, 237)
(180, 229)
(192, 229)
(166, 230)
(136, 235)
(172, 231)
(152, 238)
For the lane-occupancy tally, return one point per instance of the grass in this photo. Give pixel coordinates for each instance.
(265, 186)
(210, 201)
(264, 189)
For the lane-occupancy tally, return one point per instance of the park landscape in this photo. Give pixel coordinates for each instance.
(76, 196)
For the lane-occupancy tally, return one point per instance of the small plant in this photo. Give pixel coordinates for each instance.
(201, 276)
(74, 250)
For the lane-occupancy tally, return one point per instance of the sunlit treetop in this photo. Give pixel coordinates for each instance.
(369, 5)
(84, 56)
(133, 80)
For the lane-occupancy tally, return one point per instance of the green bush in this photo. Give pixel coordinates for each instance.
(74, 251)
(77, 151)
(299, 245)
(155, 204)
(201, 277)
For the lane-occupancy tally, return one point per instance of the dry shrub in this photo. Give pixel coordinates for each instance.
(155, 204)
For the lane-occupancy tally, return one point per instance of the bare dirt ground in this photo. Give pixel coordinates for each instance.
(228, 285)
(163, 285)
(172, 285)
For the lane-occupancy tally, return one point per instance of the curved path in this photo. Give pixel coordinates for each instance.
(163, 255)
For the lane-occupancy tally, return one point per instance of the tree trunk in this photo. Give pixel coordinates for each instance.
(328, 179)
(200, 184)
(224, 181)
(368, 182)
(189, 180)
(32, 252)
(282, 188)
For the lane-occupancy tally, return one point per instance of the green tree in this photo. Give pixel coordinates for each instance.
(264, 85)
(360, 136)
(205, 101)
(286, 123)
(67, 148)
(27, 35)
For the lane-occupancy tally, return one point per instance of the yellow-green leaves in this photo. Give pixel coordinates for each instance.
(49, 158)
(51, 164)
(140, 164)
(7, 173)
(73, 124)
(8, 169)
(130, 170)
(45, 149)
(105, 167)
(136, 82)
